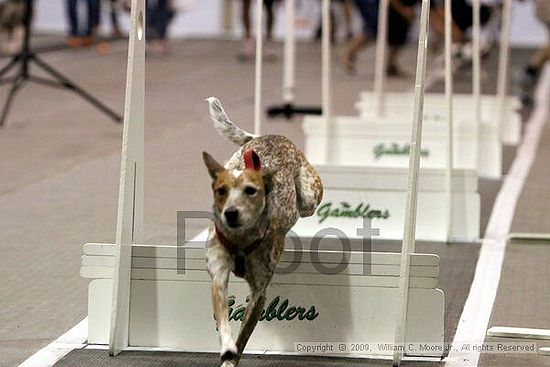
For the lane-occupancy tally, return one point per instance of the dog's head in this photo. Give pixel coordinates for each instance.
(239, 195)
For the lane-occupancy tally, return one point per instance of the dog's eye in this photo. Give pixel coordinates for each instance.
(221, 191)
(249, 190)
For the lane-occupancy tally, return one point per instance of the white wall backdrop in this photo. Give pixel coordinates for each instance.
(203, 18)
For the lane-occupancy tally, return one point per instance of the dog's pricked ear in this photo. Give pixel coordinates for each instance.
(214, 168)
(252, 160)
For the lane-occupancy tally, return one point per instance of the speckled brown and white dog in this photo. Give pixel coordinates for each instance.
(259, 194)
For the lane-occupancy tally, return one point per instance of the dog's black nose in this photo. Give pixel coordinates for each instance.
(231, 215)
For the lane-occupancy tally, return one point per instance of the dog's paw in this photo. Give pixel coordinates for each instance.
(228, 364)
(229, 355)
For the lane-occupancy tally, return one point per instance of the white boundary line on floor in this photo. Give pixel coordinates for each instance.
(475, 317)
(75, 338)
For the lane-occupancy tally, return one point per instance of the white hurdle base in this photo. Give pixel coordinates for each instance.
(545, 351)
(400, 105)
(385, 143)
(353, 193)
(172, 310)
(518, 333)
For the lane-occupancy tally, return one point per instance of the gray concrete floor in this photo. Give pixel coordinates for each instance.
(59, 164)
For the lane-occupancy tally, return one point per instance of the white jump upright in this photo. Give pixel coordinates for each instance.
(409, 235)
(289, 58)
(380, 62)
(130, 200)
(450, 111)
(258, 70)
(326, 78)
(476, 77)
(503, 65)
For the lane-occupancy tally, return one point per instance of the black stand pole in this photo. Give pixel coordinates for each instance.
(288, 110)
(24, 58)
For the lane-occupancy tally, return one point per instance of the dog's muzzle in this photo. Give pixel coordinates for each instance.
(232, 217)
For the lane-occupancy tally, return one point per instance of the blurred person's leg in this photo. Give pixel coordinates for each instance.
(163, 18)
(93, 9)
(541, 57)
(393, 68)
(72, 15)
(247, 53)
(347, 19)
(270, 53)
(401, 14)
(151, 29)
(368, 9)
(527, 78)
(245, 17)
(162, 14)
(270, 18)
(158, 12)
(114, 19)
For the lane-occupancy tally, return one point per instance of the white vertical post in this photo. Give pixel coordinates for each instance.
(450, 111)
(258, 74)
(289, 66)
(476, 77)
(130, 200)
(380, 62)
(503, 65)
(326, 76)
(408, 246)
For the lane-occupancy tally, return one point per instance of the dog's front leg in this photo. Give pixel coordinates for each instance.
(220, 279)
(251, 317)
(218, 267)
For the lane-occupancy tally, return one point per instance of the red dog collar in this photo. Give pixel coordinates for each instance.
(239, 254)
(232, 248)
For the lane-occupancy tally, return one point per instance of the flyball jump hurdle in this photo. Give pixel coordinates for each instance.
(139, 297)
(365, 177)
(382, 119)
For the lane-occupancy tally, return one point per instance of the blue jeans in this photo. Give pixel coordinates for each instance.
(158, 16)
(93, 11)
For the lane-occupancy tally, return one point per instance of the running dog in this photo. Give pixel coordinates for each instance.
(259, 194)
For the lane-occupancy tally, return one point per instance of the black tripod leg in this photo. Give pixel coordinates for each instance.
(9, 65)
(17, 83)
(70, 85)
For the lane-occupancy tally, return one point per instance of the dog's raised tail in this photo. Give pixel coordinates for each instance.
(225, 126)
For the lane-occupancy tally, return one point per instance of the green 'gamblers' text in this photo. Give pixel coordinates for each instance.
(395, 149)
(345, 210)
(276, 310)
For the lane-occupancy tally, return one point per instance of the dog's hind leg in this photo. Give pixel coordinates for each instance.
(309, 190)
(252, 315)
